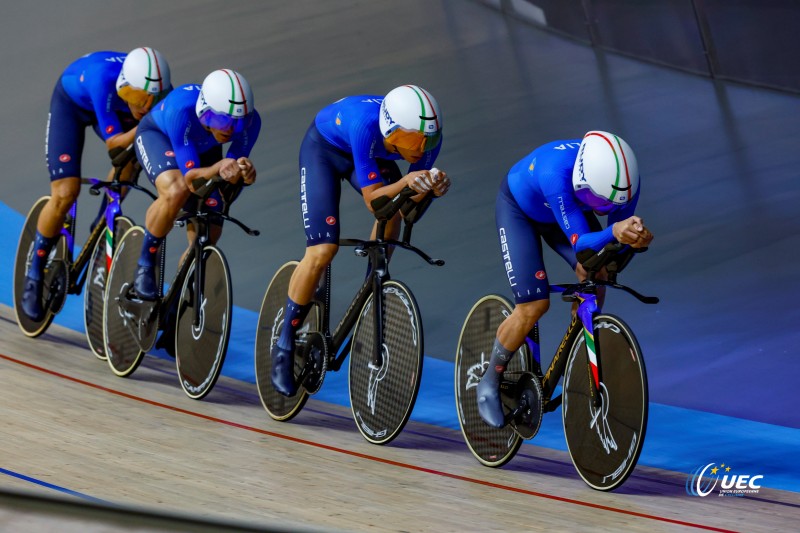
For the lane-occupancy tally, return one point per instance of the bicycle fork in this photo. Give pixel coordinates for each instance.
(587, 310)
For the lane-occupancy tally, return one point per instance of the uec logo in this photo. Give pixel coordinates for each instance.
(730, 484)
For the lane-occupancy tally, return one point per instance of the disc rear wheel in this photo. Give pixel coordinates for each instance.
(270, 323)
(491, 446)
(123, 347)
(56, 272)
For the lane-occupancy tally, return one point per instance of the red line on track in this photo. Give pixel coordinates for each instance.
(362, 455)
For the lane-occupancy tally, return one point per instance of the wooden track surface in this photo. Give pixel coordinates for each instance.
(69, 422)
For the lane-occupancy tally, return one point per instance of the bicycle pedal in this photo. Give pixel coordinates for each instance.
(527, 417)
(140, 318)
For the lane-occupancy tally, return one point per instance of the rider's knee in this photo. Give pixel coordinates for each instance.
(318, 257)
(63, 194)
(172, 188)
(530, 312)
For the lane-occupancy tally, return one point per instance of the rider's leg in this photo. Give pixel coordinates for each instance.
(510, 336)
(63, 193)
(521, 251)
(302, 287)
(160, 217)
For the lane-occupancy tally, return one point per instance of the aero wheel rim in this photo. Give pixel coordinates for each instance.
(200, 348)
(604, 443)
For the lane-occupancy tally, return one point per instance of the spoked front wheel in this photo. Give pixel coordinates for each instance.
(203, 325)
(124, 334)
(605, 442)
(270, 323)
(383, 397)
(491, 446)
(56, 272)
(95, 292)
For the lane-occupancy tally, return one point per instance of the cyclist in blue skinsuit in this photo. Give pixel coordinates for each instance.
(554, 193)
(110, 91)
(180, 141)
(357, 139)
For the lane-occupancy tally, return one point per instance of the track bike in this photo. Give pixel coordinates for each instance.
(386, 345)
(604, 394)
(194, 315)
(64, 273)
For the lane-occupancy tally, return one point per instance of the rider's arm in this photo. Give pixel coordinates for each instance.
(227, 168)
(103, 101)
(240, 148)
(121, 140)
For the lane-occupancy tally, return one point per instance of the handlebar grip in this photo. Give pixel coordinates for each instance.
(123, 157)
(385, 208)
(203, 187)
(413, 211)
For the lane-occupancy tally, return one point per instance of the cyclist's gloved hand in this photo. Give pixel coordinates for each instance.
(441, 183)
(230, 171)
(247, 169)
(420, 181)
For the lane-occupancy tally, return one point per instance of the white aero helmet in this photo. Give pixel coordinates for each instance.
(225, 101)
(144, 74)
(410, 119)
(605, 175)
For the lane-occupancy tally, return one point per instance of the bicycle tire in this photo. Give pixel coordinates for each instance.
(200, 352)
(122, 349)
(491, 446)
(270, 321)
(55, 273)
(605, 454)
(382, 399)
(94, 294)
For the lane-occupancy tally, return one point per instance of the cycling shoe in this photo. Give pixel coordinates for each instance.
(283, 371)
(489, 406)
(32, 299)
(145, 283)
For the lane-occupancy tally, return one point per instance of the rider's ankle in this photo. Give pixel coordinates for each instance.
(41, 249)
(150, 246)
(293, 318)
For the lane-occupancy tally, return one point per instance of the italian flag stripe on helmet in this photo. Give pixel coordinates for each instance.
(616, 185)
(152, 62)
(235, 82)
(425, 111)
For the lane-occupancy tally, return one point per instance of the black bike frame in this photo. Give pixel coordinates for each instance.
(109, 210)
(377, 251)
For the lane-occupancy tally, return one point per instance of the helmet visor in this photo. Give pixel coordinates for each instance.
(136, 97)
(223, 122)
(415, 141)
(599, 205)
